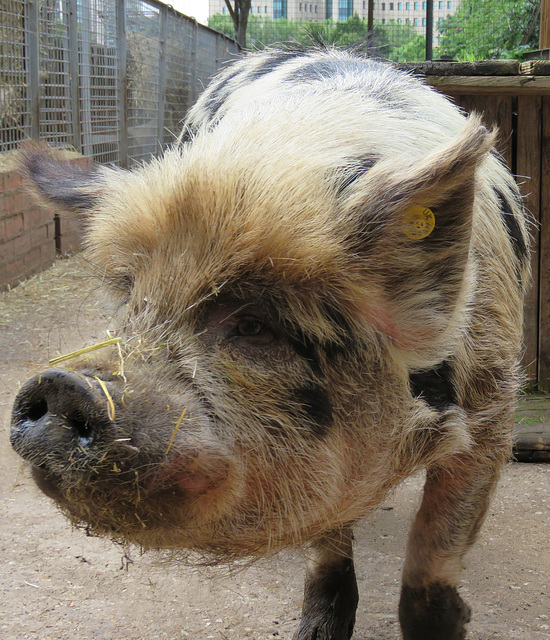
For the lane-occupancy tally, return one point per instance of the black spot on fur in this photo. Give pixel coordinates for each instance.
(62, 183)
(435, 385)
(354, 170)
(330, 602)
(275, 60)
(347, 344)
(314, 404)
(306, 349)
(326, 69)
(432, 613)
(514, 230)
(218, 94)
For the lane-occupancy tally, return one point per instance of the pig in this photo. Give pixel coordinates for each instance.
(320, 289)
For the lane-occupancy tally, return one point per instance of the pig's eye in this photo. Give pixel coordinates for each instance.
(250, 327)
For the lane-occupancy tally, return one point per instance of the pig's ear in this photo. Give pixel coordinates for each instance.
(58, 183)
(414, 243)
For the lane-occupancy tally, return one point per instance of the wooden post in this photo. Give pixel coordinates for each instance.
(544, 253)
(544, 35)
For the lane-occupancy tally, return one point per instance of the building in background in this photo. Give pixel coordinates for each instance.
(411, 13)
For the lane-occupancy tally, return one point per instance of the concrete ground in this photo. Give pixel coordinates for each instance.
(58, 584)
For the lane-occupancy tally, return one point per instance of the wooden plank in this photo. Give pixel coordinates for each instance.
(528, 170)
(504, 120)
(544, 33)
(448, 68)
(544, 253)
(496, 111)
(504, 85)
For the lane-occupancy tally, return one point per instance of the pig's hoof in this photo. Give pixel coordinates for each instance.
(325, 627)
(435, 612)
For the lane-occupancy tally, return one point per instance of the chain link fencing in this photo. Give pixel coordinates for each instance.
(409, 31)
(110, 78)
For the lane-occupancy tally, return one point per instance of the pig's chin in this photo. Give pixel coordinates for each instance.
(153, 511)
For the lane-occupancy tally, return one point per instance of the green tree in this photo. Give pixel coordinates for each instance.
(482, 29)
(393, 41)
(239, 12)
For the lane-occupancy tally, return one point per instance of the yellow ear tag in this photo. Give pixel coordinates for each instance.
(419, 222)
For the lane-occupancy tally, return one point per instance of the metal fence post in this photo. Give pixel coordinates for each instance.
(429, 29)
(162, 74)
(193, 67)
(33, 43)
(122, 81)
(74, 72)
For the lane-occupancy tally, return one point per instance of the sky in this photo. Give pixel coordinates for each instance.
(194, 8)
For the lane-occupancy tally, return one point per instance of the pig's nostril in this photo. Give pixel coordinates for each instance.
(80, 426)
(37, 410)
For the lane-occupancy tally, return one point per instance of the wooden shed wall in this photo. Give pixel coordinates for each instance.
(520, 107)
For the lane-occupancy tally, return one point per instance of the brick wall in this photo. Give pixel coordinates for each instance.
(30, 235)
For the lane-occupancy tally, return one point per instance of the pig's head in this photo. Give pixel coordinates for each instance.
(271, 311)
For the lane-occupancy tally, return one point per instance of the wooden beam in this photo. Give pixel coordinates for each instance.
(470, 85)
(544, 35)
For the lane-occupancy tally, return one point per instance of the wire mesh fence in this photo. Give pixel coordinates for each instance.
(401, 31)
(111, 78)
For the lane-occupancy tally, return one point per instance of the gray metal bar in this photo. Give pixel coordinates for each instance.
(33, 44)
(85, 79)
(193, 92)
(74, 74)
(162, 74)
(122, 81)
(429, 29)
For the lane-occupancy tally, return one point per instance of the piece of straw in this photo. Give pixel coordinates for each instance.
(80, 352)
(110, 403)
(178, 423)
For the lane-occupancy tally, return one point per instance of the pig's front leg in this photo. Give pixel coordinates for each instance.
(330, 594)
(454, 504)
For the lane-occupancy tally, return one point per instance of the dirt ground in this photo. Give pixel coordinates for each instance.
(58, 584)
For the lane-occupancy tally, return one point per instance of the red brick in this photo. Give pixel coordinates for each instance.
(42, 234)
(48, 253)
(7, 252)
(12, 274)
(22, 245)
(21, 201)
(36, 217)
(12, 180)
(12, 226)
(6, 204)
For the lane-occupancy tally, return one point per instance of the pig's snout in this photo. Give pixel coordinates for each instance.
(54, 411)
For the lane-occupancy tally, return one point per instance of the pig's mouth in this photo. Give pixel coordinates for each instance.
(84, 453)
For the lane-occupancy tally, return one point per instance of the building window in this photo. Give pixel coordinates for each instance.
(407, 21)
(279, 9)
(441, 5)
(423, 22)
(345, 9)
(399, 21)
(383, 6)
(449, 5)
(424, 6)
(415, 22)
(328, 9)
(223, 10)
(416, 6)
(399, 6)
(391, 6)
